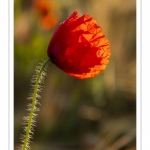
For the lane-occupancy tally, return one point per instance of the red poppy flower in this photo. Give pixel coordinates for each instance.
(79, 47)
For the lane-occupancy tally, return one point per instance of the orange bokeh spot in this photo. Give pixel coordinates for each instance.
(48, 21)
(47, 17)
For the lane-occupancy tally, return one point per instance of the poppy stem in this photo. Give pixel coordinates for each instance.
(29, 121)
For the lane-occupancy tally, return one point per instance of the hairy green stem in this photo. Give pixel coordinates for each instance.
(33, 107)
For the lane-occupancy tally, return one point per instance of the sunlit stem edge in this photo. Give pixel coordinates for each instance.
(33, 105)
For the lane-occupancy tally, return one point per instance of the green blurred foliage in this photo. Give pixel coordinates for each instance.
(91, 114)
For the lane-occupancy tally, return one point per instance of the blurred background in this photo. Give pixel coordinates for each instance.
(91, 114)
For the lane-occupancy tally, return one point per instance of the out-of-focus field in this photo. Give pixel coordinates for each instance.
(91, 114)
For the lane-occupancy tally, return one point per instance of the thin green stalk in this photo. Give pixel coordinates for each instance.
(30, 120)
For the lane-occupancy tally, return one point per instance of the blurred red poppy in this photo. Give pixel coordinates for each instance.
(48, 18)
(48, 21)
(42, 6)
(79, 47)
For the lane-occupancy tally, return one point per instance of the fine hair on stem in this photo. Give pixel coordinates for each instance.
(29, 121)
